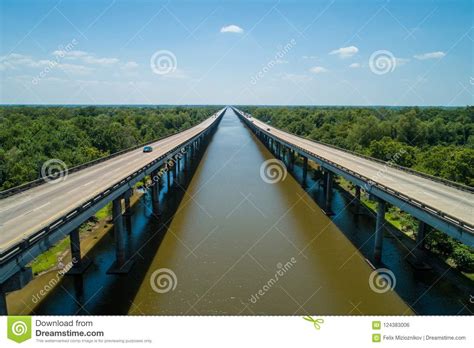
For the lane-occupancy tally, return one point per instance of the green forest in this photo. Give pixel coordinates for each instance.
(436, 141)
(30, 135)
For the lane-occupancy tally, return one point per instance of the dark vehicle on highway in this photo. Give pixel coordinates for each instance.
(147, 149)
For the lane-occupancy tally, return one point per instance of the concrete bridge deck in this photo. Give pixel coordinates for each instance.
(450, 204)
(25, 213)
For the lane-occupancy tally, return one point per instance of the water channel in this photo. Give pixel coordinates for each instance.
(235, 244)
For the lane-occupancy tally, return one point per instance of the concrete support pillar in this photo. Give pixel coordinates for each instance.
(186, 160)
(357, 199)
(305, 170)
(75, 242)
(3, 301)
(155, 193)
(379, 228)
(357, 194)
(178, 164)
(168, 177)
(420, 236)
(128, 213)
(121, 264)
(127, 206)
(175, 171)
(418, 255)
(328, 188)
(118, 231)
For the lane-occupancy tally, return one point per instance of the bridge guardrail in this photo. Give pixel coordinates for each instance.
(26, 186)
(393, 165)
(446, 217)
(12, 251)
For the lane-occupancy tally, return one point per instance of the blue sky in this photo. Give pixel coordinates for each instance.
(237, 52)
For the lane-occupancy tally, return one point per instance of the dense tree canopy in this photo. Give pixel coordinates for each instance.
(436, 141)
(30, 135)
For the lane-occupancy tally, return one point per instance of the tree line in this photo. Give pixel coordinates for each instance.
(437, 141)
(31, 135)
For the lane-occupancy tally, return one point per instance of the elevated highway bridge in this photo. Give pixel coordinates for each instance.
(439, 203)
(34, 216)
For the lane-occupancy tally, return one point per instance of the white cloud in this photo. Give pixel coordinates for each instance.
(430, 55)
(69, 54)
(345, 52)
(318, 69)
(310, 57)
(232, 29)
(85, 57)
(296, 78)
(15, 60)
(75, 69)
(354, 65)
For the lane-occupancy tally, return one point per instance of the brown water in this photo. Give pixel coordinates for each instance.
(233, 232)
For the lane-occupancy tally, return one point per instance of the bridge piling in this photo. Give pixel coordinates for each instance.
(155, 193)
(185, 160)
(168, 178)
(421, 235)
(121, 265)
(357, 199)
(379, 229)
(127, 212)
(290, 158)
(118, 230)
(328, 191)
(79, 265)
(75, 241)
(305, 171)
(418, 255)
(3, 301)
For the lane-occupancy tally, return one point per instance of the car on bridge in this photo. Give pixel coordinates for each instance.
(147, 148)
(268, 129)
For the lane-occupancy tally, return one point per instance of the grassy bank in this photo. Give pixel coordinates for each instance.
(51, 258)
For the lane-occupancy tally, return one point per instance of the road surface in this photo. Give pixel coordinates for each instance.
(25, 213)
